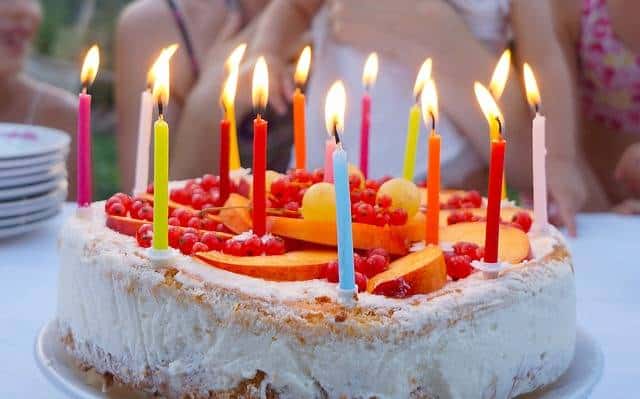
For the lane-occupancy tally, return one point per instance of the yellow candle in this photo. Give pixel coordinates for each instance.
(496, 88)
(161, 159)
(161, 184)
(234, 152)
(413, 127)
(413, 131)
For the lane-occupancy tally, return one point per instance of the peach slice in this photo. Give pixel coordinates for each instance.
(513, 246)
(129, 226)
(424, 270)
(394, 239)
(236, 214)
(291, 266)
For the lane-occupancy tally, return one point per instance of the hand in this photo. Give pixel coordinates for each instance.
(567, 187)
(628, 169)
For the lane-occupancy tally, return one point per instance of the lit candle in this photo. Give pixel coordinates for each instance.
(87, 76)
(233, 63)
(226, 100)
(496, 88)
(539, 153)
(369, 75)
(429, 100)
(334, 120)
(496, 171)
(144, 126)
(259, 96)
(413, 127)
(299, 103)
(161, 159)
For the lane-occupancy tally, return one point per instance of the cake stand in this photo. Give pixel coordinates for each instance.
(577, 383)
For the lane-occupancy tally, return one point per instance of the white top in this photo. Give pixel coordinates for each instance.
(392, 97)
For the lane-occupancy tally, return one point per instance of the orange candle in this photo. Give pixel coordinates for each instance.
(429, 100)
(259, 96)
(299, 104)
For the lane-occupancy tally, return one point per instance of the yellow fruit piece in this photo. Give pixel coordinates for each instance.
(403, 193)
(319, 202)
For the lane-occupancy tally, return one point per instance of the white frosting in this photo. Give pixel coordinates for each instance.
(481, 338)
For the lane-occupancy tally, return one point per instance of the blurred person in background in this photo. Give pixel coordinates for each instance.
(23, 99)
(601, 39)
(464, 39)
(207, 32)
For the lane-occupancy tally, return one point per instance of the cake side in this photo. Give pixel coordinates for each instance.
(199, 330)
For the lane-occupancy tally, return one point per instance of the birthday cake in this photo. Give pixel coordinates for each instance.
(234, 315)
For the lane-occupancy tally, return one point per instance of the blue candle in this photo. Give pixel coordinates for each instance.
(343, 217)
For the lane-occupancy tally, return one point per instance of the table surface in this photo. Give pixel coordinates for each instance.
(607, 282)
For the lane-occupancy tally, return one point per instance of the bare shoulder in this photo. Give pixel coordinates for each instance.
(56, 107)
(566, 15)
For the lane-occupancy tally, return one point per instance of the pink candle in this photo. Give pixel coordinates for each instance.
(87, 75)
(84, 150)
(364, 134)
(329, 148)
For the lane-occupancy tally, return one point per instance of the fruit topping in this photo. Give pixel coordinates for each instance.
(396, 288)
(523, 221)
(144, 235)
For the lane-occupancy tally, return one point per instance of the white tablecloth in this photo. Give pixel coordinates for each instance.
(607, 259)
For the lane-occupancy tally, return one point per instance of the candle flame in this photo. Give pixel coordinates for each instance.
(487, 104)
(531, 86)
(234, 59)
(90, 66)
(335, 107)
(161, 83)
(302, 69)
(229, 89)
(167, 53)
(370, 71)
(429, 100)
(260, 86)
(424, 74)
(500, 75)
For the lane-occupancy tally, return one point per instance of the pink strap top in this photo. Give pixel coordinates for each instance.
(610, 72)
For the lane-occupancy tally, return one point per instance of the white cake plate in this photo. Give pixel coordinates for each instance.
(577, 383)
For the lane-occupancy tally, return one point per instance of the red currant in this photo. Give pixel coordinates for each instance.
(209, 181)
(253, 246)
(372, 185)
(279, 187)
(135, 207)
(208, 224)
(384, 201)
(125, 199)
(183, 215)
(144, 235)
(233, 247)
(474, 198)
(174, 221)
(354, 182)
(317, 176)
(146, 213)
(398, 217)
(110, 202)
(331, 271)
(174, 236)
(398, 288)
(117, 209)
(291, 209)
(361, 282)
(523, 220)
(376, 264)
(198, 199)
(379, 251)
(199, 247)
(467, 248)
(212, 241)
(368, 195)
(195, 222)
(274, 246)
(364, 213)
(381, 218)
(187, 241)
(301, 176)
(150, 188)
(459, 266)
(360, 263)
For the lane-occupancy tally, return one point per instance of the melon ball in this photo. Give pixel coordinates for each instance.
(319, 202)
(403, 193)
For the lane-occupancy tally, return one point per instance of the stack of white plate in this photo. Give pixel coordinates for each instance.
(33, 176)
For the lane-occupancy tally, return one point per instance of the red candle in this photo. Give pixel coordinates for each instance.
(496, 171)
(224, 160)
(259, 176)
(364, 134)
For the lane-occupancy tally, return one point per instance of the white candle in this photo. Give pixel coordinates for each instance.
(539, 173)
(144, 138)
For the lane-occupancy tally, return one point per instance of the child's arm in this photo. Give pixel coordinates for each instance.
(542, 45)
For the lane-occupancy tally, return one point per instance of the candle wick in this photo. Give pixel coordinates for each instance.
(499, 126)
(336, 135)
(160, 110)
(536, 107)
(84, 88)
(433, 121)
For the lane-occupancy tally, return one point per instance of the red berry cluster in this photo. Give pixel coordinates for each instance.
(398, 288)
(459, 260)
(522, 220)
(186, 218)
(366, 266)
(121, 204)
(471, 199)
(252, 245)
(463, 217)
(204, 192)
(379, 214)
